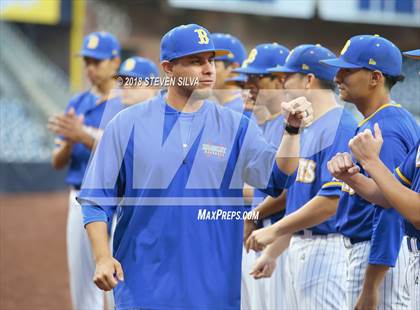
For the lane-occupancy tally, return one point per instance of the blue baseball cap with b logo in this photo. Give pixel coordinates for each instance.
(263, 57)
(371, 52)
(305, 59)
(138, 67)
(225, 41)
(100, 45)
(186, 40)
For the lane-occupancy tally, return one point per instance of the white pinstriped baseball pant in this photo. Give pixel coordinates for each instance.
(393, 294)
(263, 294)
(413, 275)
(315, 271)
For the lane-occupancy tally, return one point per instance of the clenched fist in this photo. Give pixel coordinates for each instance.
(298, 112)
(107, 273)
(341, 166)
(366, 147)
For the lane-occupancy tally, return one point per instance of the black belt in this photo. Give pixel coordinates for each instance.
(302, 233)
(358, 240)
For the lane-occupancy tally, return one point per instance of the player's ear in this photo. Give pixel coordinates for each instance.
(309, 81)
(167, 67)
(377, 78)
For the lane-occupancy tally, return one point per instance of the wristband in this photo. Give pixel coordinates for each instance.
(292, 130)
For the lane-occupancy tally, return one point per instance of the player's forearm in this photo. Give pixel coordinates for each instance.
(367, 189)
(271, 205)
(406, 201)
(314, 212)
(277, 247)
(248, 193)
(87, 139)
(287, 157)
(61, 155)
(98, 236)
(374, 276)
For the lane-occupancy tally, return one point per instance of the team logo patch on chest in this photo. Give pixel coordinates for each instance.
(211, 150)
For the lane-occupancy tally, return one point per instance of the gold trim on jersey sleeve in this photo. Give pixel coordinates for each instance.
(402, 177)
(328, 184)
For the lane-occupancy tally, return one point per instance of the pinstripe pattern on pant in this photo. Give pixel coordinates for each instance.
(247, 282)
(263, 294)
(316, 272)
(393, 293)
(413, 280)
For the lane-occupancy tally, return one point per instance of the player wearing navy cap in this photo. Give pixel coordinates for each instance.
(265, 101)
(368, 68)
(78, 128)
(228, 94)
(136, 78)
(315, 261)
(386, 191)
(187, 153)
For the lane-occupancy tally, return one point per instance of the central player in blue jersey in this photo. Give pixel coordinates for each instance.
(171, 165)
(369, 67)
(315, 261)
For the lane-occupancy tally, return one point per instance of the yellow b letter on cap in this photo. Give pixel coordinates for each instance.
(129, 64)
(250, 58)
(93, 42)
(345, 47)
(202, 35)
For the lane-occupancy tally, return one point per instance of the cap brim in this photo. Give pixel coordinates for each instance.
(250, 70)
(217, 53)
(281, 69)
(412, 54)
(129, 74)
(236, 79)
(93, 54)
(339, 63)
(220, 53)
